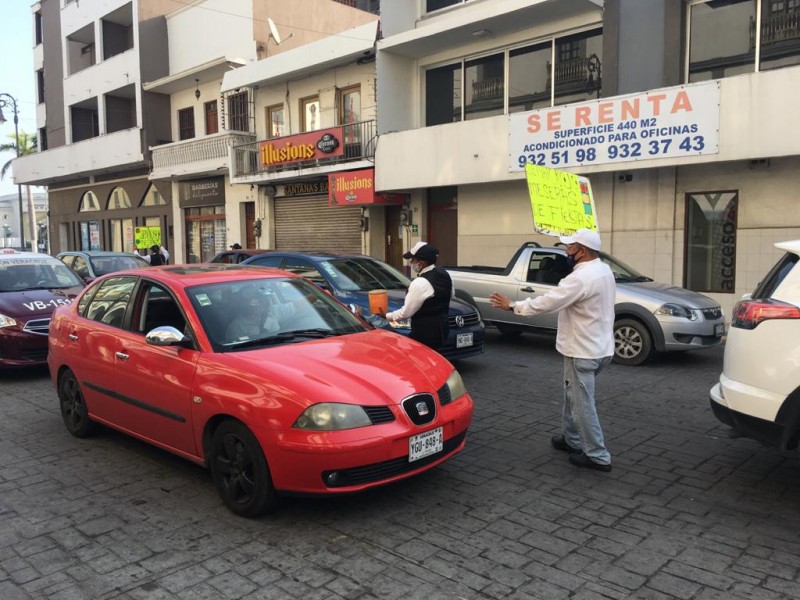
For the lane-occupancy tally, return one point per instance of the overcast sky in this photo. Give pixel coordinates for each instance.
(16, 75)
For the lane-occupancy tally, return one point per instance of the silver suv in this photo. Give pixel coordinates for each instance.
(758, 393)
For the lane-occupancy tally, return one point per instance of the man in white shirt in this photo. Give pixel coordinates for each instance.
(584, 300)
(164, 253)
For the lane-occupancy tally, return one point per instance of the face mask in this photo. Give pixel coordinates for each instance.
(571, 262)
(416, 267)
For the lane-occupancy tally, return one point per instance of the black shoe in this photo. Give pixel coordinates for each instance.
(559, 443)
(581, 460)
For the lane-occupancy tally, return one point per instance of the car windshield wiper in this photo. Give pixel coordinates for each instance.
(632, 279)
(312, 333)
(265, 341)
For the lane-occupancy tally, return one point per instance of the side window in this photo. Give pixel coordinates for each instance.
(547, 267)
(775, 277)
(227, 258)
(157, 309)
(67, 260)
(110, 302)
(80, 267)
(305, 268)
(268, 261)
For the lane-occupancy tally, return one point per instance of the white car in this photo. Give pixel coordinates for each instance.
(758, 393)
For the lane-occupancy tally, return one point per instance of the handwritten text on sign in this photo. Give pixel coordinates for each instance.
(561, 202)
(669, 122)
(147, 237)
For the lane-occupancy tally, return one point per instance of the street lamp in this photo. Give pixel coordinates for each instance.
(3, 103)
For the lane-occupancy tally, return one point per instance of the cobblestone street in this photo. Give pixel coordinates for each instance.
(687, 512)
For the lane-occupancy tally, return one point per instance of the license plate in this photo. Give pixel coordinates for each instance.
(425, 444)
(719, 329)
(463, 340)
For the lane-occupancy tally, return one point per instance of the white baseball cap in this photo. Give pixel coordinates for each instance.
(584, 237)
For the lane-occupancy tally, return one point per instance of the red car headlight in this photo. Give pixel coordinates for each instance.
(332, 416)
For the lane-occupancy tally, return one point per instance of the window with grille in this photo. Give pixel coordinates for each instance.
(237, 112)
(186, 123)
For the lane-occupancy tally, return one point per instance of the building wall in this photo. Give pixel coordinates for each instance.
(300, 23)
(231, 22)
(53, 74)
(326, 85)
(153, 48)
(642, 221)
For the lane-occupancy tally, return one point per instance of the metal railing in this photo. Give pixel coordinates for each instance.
(359, 141)
(487, 89)
(777, 28)
(187, 152)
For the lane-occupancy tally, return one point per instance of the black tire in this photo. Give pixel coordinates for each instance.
(509, 330)
(73, 406)
(239, 470)
(633, 343)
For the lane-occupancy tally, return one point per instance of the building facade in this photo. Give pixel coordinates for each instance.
(312, 166)
(135, 133)
(696, 194)
(95, 123)
(211, 123)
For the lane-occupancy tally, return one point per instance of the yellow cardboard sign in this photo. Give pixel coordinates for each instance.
(561, 202)
(147, 237)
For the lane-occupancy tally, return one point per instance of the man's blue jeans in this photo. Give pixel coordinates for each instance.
(581, 424)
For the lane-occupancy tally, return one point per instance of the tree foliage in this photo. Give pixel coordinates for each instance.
(27, 145)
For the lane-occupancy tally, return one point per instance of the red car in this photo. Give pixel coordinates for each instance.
(31, 286)
(258, 374)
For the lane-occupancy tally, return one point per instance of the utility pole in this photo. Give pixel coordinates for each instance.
(3, 103)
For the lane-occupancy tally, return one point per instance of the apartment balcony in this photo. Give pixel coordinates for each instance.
(197, 156)
(776, 28)
(357, 150)
(118, 151)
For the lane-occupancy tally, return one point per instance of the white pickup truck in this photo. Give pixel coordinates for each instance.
(650, 317)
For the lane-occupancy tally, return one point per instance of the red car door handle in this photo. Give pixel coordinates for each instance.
(121, 355)
(73, 337)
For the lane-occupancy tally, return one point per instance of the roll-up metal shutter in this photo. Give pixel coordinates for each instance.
(310, 224)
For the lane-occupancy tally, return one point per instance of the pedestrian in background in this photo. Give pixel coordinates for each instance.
(161, 250)
(156, 258)
(584, 300)
(428, 299)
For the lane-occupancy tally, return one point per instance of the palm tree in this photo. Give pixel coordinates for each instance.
(27, 145)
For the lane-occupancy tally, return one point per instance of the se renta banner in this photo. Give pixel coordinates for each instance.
(561, 202)
(663, 123)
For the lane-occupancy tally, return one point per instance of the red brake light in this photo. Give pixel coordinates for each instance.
(747, 314)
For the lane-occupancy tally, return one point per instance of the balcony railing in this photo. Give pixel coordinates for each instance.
(359, 144)
(186, 153)
(487, 89)
(776, 29)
